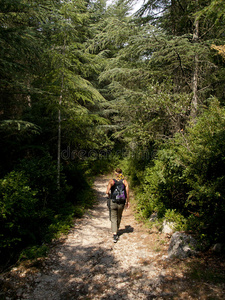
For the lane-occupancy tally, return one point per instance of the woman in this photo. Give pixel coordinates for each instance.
(119, 198)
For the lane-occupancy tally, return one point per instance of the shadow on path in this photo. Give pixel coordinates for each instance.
(127, 229)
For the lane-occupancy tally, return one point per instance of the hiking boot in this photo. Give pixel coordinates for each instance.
(115, 238)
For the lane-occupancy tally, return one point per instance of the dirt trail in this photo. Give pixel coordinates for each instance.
(88, 265)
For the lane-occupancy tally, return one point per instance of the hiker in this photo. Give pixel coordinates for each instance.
(118, 199)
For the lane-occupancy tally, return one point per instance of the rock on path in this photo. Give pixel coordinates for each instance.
(88, 265)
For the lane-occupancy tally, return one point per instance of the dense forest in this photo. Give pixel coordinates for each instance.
(87, 85)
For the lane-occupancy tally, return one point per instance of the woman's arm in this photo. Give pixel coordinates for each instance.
(127, 192)
(110, 184)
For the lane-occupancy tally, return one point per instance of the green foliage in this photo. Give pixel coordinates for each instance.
(101, 163)
(61, 224)
(133, 163)
(33, 212)
(162, 185)
(21, 41)
(17, 128)
(42, 173)
(34, 252)
(18, 209)
(43, 60)
(30, 205)
(201, 151)
(180, 222)
(186, 182)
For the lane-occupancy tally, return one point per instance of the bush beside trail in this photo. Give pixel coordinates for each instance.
(33, 211)
(185, 183)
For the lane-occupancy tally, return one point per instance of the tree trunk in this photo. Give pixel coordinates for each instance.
(194, 104)
(59, 122)
(59, 140)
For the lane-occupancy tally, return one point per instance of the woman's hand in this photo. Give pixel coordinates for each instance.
(127, 204)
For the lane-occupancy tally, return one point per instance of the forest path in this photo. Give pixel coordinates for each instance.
(88, 265)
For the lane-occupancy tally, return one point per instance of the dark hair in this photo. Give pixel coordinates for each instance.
(118, 170)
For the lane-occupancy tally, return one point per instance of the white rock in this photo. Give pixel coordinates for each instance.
(168, 227)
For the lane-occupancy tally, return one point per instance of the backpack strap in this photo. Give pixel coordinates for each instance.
(117, 181)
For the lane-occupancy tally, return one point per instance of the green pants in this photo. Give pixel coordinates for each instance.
(116, 211)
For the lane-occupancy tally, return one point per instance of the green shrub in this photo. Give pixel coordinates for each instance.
(171, 215)
(32, 210)
(33, 252)
(18, 209)
(42, 173)
(162, 188)
(202, 152)
(187, 181)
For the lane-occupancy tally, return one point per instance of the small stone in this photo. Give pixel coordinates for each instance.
(153, 217)
(217, 248)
